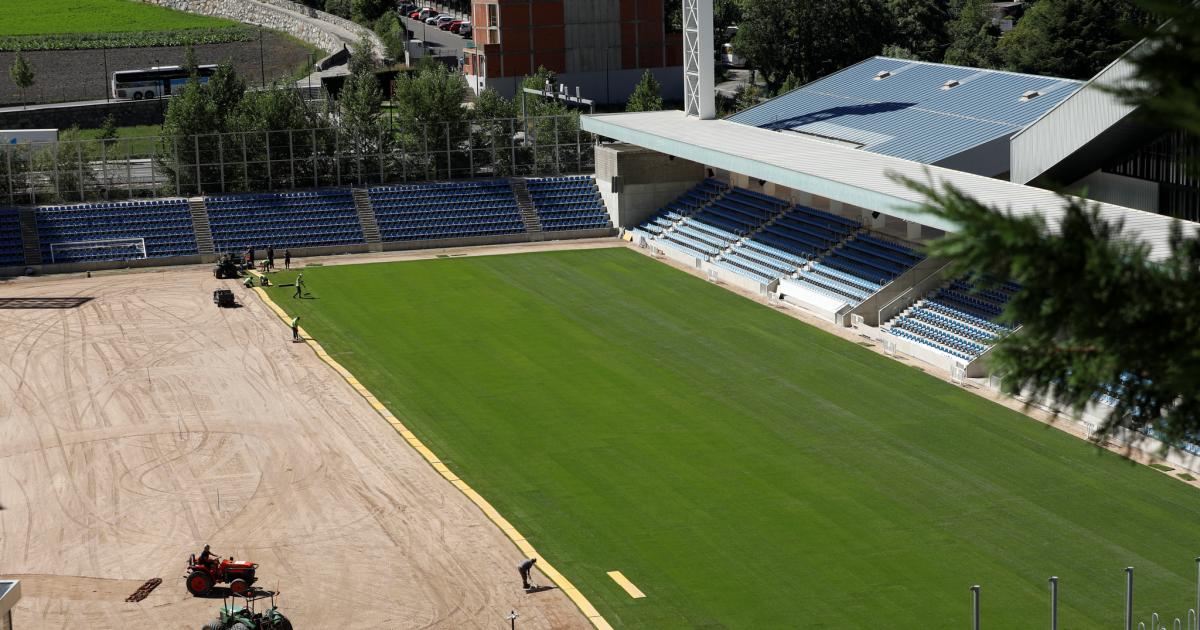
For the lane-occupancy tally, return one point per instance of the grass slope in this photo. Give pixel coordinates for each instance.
(743, 469)
(53, 17)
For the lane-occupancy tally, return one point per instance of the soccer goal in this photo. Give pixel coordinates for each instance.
(103, 249)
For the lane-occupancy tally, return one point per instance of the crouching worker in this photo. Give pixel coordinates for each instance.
(296, 329)
(525, 567)
(248, 282)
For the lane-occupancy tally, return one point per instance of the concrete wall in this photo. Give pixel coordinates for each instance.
(593, 34)
(636, 182)
(62, 116)
(990, 159)
(323, 30)
(913, 283)
(302, 252)
(1120, 190)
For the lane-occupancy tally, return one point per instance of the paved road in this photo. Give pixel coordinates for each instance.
(433, 36)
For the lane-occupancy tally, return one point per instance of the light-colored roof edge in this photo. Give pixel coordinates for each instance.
(872, 199)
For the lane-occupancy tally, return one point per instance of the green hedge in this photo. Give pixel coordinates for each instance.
(89, 41)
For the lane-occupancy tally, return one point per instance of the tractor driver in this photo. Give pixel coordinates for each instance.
(207, 557)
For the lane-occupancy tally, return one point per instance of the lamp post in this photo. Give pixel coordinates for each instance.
(975, 607)
(1054, 603)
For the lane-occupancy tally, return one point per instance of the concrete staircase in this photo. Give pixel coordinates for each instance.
(366, 218)
(525, 203)
(30, 242)
(201, 226)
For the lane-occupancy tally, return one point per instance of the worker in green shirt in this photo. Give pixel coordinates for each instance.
(296, 328)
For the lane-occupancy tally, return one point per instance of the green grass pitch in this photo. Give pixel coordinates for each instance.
(56, 17)
(742, 468)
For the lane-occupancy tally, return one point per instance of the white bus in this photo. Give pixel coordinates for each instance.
(154, 82)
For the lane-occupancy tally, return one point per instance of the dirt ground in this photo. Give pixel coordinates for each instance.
(78, 75)
(138, 422)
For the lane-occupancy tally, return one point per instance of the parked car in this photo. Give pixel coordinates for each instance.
(426, 13)
(443, 22)
(406, 9)
(415, 14)
(452, 26)
(432, 19)
(464, 30)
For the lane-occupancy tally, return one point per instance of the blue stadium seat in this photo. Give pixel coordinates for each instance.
(164, 224)
(284, 220)
(568, 203)
(438, 210)
(12, 252)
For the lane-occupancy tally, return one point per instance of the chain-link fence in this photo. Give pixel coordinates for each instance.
(131, 168)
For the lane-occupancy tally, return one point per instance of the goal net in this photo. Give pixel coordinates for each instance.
(104, 249)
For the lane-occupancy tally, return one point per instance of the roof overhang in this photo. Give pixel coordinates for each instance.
(847, 175)
(10, 594)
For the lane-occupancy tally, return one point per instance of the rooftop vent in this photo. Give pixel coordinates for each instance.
(952, 83)
(1030, 95)
(883, 75)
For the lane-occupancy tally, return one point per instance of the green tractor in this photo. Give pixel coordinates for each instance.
(227, 267)
(234, 617)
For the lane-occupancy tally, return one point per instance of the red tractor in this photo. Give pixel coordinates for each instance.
(202, 576)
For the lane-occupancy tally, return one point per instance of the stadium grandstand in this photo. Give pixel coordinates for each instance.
(314, 222)
(797, 202)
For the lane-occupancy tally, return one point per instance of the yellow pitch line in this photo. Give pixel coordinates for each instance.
(493, 515)
(624, 583)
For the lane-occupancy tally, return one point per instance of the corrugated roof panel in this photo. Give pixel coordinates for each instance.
(921, 121)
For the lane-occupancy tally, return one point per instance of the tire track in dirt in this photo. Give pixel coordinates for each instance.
(129, 413)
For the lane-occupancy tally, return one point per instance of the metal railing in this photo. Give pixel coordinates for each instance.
(131, 168)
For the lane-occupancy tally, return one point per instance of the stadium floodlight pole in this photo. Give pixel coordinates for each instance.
(975, 607)
(699, 96)
(1054, 603)
(1128, 598)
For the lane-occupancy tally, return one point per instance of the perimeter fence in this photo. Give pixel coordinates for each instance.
(250, 161)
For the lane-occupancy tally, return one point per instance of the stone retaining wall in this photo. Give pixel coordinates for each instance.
(323, 30)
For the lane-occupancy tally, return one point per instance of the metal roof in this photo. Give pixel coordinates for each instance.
(908, 113)
(849, 175)
(1074, 122)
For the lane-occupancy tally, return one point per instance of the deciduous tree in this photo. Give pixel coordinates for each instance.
(21, 73)
(1071, 38)
(973, 36)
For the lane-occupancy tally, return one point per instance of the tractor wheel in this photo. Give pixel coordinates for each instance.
(199, 583)
(215, 624)
(239, 586)
(283, 624)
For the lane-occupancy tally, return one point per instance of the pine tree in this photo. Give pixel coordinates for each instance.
(647, 96)
(1096, 314)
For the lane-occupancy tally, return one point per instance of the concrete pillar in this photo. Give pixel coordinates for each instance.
(914, 231)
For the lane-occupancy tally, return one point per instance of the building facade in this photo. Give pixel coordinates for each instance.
(600, 47)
